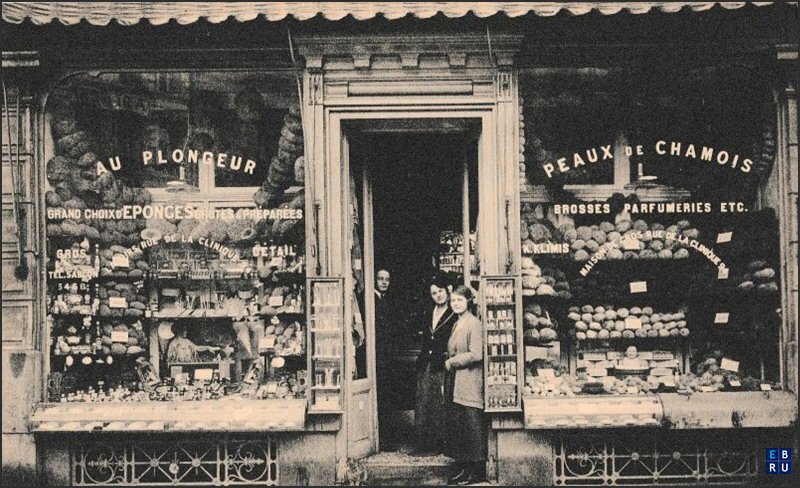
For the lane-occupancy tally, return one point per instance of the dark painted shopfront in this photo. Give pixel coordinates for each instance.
(196, 200)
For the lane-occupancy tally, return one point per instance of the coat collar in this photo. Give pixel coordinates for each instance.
(447, 315)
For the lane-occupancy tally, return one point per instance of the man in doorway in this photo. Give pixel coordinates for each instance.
(387, 338)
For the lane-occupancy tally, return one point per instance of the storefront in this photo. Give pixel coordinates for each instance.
(204, 205)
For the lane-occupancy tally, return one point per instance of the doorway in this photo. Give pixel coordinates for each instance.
(416, 194)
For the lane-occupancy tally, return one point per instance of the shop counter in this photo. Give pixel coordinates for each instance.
(225, 415)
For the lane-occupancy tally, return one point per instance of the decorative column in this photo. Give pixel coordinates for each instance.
(785, 173)
(23, 281)
(507, 133)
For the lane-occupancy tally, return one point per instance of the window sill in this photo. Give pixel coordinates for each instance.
(718, 410)
(191, 416)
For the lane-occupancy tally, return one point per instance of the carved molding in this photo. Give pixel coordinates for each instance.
(504, 85)
(318, 50)
(315, 87)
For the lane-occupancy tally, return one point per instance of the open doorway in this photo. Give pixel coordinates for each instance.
(417, 195)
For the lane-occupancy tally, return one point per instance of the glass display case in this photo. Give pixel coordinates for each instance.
(169, 278)
(502, 339)
(326, 344)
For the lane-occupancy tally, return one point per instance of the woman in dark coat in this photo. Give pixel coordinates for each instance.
(431, 408)
(466, 428)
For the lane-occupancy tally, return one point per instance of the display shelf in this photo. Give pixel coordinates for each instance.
(121, 318)
(184, 279)
(193, 314)
(120, 278)
(325, 302)
(283, 314)
(71, 316)
(199, 364)
(503, 368)
(645, 341)
(272, 353)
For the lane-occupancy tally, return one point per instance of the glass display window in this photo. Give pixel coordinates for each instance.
(656, 269)
(176, 237)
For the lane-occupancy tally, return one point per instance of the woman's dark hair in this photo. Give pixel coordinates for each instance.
(464, 291)
(439, 281)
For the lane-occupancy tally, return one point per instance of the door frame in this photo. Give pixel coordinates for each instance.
(336, 245)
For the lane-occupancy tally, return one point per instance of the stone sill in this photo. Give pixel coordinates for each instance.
(177, 417)
(718, 410)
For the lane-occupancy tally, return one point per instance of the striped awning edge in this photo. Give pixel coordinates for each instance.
(158, 13)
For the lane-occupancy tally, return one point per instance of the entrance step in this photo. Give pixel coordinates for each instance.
(402, 469)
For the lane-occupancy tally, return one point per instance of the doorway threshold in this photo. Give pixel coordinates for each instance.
(404, 469)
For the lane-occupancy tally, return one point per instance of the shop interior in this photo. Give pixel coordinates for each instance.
(418, 186)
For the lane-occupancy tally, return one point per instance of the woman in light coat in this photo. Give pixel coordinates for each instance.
(467, 429)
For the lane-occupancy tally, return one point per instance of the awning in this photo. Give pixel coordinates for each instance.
(157, 13)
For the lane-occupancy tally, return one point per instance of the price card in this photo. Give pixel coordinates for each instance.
(633, 323)
(632, 390)
(638, 287)
(275, 301)
(729, 365)
(120, 261)
(597, 372)
(203, 374)
(735, 383)
(723, 237)
(117, 302)
(534, 352)
(546, 373)
(723, 273)
(765, 387)
(119, 336)
(721, 318)
(630, 244)
(267, 342)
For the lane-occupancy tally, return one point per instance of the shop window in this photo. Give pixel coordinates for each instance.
(210, 131)
(176, 239)
(651, 128)
(655, 269)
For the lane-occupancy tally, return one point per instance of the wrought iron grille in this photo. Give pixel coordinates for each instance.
(649, 459)
(218, 462)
